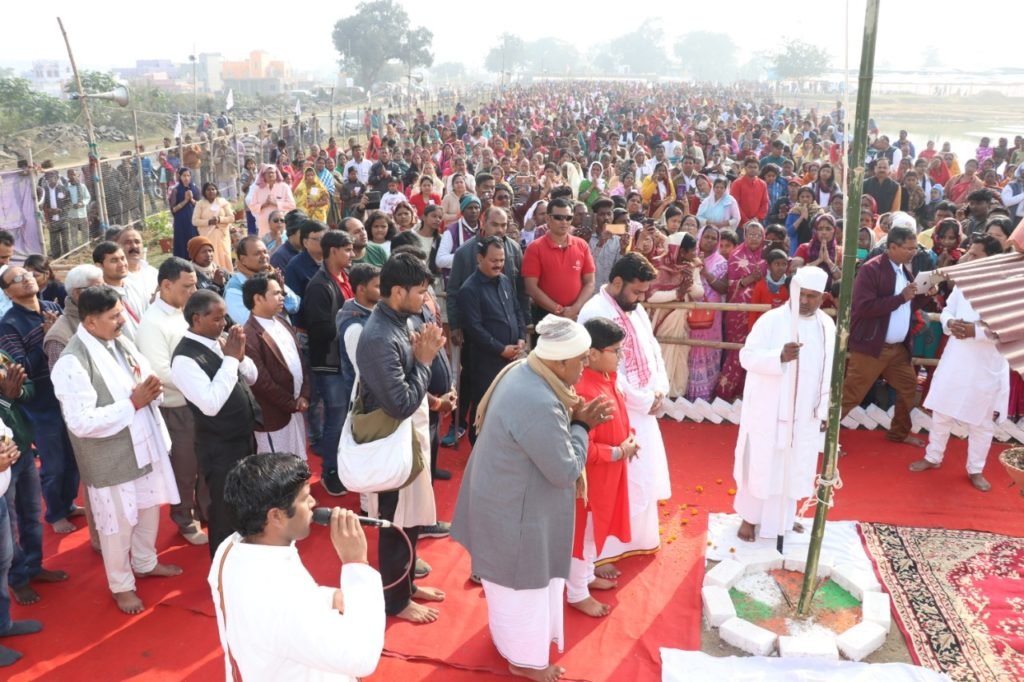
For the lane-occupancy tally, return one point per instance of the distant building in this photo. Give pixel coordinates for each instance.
(49, 76)
(259, 74)
(209, 69)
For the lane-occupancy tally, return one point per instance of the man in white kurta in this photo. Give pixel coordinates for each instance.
(275, 622)
(971, 384)
(127, 514)
(644, 382)
(788, 358)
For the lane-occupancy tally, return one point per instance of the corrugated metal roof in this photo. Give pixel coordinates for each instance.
(995, 288)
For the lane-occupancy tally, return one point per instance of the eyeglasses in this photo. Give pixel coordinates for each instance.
(616, 351)
(559, 216)
(277, 220)
(18, 279)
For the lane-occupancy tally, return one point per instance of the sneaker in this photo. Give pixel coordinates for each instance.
(332, 484)
(422, 569)
(441, 529)
(450, 438)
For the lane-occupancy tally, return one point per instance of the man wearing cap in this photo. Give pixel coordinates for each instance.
(515, 509)
(788, 358)
(458, 233)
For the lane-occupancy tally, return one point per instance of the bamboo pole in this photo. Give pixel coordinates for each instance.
(855, 186)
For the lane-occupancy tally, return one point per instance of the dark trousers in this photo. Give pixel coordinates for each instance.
(192, 491)
(58, 471)
(215, 465)
(24, 506)
(893, 365)
(435, 440)
(393, 557)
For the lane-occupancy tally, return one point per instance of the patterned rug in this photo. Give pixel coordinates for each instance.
(958, 597)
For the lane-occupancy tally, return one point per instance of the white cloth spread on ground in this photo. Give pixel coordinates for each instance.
(523, 623)
(292, 437)
(282, 626)
(687, 666)
(648, 473)
(765, 495)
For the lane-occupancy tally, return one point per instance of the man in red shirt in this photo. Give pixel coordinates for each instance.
(750, 192)
(558, 269)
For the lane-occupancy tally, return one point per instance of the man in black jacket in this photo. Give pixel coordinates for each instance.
(383, 171)
(326, 292)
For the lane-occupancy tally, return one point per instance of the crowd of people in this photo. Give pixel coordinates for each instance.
(486, 270)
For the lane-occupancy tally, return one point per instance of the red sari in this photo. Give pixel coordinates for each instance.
(607, 480)
(742, 262)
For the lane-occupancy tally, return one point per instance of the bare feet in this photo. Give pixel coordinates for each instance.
(591, 607)
(602, 584)
(47, 576)
(129, 602)
(25, 595)
(548, 674)
(798, 527)
(923, 465)
(161, 571)
(746, 532)
(428, 593)
(417, 613)
(607, 571)
(913, 440)
(63, 527)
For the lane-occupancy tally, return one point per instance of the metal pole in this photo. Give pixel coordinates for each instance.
(94, 158)
(138, 168)
(854, 190)
(330, 134)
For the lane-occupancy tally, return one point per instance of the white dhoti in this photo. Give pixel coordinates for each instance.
(127, 519)
(648, 482)
(291, 439)
(771, 515)
(581, 571)
(523, 623)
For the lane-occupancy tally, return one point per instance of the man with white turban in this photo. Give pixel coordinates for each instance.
(788, 358)
(516, 506)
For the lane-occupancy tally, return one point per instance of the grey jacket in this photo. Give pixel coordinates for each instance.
(516, 507)
(390, 377)
(464, 265)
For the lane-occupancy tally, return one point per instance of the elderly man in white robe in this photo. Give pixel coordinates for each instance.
(788, 358)
(109, 397)
(516, 507)
(971, 384)
(644, 382)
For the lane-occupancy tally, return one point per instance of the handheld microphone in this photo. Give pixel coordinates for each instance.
(322, 515)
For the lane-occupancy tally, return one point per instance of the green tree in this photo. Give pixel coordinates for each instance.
(448, 71)
(373, 36)
(508, 54)
(553, 56)
(707, 56)
(640, 50)
(800, 60)
(92, 82)
(22, 107)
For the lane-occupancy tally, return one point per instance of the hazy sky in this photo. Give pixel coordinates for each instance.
(116, 32)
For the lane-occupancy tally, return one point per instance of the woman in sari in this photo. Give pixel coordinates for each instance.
(825, 185)
(822, 250)
(800, 221)
(961, 185)
(706, 363)
(657, 190)
(181, 199)
(452, 200)
(270, 193)
(312, 197)
(593, 188)
(719, 209)
(677, 280)
(746, 266)
(213, 218)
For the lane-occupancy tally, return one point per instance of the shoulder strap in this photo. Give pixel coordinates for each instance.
(236, 674)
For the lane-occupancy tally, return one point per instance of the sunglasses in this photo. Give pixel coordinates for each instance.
(18, 279)
(556, 216)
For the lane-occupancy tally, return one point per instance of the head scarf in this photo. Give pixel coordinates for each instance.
(812, 279)
(261, 181)
(673, 275)
(195, 245)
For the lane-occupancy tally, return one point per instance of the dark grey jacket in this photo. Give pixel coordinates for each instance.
(464, 265)
(390, 377)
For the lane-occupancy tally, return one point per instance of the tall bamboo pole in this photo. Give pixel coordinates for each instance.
(855, 185)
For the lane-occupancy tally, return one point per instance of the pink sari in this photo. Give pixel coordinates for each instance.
(742, 262)
(706, 363)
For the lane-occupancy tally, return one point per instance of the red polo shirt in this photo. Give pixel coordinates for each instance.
(559, 272)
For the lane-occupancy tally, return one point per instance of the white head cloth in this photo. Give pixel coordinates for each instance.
(561, 338)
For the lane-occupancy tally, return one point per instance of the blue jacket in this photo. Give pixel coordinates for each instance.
(21, 337)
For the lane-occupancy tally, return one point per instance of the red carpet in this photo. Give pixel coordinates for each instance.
(657, 602)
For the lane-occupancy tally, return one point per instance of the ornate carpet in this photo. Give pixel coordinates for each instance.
(958, 597)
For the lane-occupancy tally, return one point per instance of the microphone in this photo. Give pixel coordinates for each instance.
(322, 515)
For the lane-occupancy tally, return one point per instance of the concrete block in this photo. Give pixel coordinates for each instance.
(688, 411)
(879, 415)
(849, 422)
(674, 410)
(705, 410)
(816, 645)
(920, 420)
(761, 560)
(1000, 434)
(744, 635)
(1015, 430)
(855, 581)
(876, 608)
(726, 574)
(861, 640)
(798, 562)
(718, 606)
(726, 411)
(861, 415)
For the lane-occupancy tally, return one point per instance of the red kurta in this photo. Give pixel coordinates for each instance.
(607, 482)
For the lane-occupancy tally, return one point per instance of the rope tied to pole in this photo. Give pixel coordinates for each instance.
(820, 486)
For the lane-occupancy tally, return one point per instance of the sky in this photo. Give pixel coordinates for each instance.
(103, 39)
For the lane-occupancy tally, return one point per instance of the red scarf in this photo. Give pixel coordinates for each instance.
(637, 369)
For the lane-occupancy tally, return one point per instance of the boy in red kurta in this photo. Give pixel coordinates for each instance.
(605, 509)
(773, 289)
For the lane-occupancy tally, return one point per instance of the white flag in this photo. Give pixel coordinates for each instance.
(298, 107)
(231, 101)
(177, 127)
